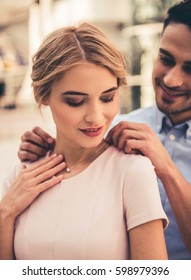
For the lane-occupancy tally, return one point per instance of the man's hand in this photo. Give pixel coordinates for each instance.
(35, 144)
(139, 138)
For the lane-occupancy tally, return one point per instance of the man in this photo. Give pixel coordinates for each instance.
(162, 132)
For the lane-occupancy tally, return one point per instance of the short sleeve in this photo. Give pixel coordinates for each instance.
(9, 179)
(141, 195)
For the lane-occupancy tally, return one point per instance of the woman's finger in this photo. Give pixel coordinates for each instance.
(37, 167)
(50, 183)
(46, 175)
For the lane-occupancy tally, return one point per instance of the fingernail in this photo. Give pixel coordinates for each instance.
(109, 141)
(60, 156)
(54, 155)
(50, 140)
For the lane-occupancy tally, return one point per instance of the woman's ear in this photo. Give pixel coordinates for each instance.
(45, 101)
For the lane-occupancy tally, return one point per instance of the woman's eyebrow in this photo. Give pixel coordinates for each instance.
(71, 92)
(110, 89)
(74, 93)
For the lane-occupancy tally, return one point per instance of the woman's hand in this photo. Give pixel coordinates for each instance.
(32, 180)
(35, 144)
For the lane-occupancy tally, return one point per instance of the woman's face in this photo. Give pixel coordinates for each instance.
(83, 104)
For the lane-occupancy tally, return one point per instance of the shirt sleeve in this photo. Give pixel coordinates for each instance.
(9, 179)
(141, 194)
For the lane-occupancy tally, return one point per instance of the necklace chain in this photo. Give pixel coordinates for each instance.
(69, 169)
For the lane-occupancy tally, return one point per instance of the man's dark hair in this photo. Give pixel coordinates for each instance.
(179, 13)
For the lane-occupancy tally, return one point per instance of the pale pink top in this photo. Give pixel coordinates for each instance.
(88, 216)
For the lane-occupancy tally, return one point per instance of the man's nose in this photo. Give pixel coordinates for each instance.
(174, 77)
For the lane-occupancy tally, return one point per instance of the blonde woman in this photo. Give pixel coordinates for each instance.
(84, 199)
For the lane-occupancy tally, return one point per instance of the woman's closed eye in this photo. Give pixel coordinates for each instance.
(107, 98)
(74, 102)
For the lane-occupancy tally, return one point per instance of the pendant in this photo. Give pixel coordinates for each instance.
(68, 170)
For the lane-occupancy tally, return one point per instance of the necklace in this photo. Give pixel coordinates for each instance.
(69, 169)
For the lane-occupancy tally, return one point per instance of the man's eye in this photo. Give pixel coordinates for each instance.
(187, 69)
(166, 61)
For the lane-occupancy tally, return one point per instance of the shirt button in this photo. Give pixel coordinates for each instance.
(172, 137)
(189, 133)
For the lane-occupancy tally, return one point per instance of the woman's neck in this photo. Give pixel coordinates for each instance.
(76, 157)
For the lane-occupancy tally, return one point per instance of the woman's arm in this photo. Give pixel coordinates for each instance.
(6, 235)
(147, 242)
(32, 181)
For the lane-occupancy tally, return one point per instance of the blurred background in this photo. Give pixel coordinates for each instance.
(133, 25)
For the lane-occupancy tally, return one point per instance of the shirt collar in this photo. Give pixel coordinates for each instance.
(162, 119)
(188, 132)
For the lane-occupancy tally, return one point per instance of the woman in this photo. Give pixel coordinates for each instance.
(84, 200)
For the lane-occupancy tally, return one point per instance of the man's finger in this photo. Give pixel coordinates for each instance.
(27, 156)
(44, 135)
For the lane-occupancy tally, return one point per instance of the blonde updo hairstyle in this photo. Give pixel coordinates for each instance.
(67, 47)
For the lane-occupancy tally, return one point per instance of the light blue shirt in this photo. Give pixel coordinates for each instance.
(177, 140)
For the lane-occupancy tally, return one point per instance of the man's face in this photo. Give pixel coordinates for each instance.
(172, 73)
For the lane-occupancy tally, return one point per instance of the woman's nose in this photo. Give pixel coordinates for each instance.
(94, 115)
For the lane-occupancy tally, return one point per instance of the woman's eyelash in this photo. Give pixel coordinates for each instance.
(107, 99)
(73, 103)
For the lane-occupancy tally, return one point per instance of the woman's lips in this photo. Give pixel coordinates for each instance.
(92, 132)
